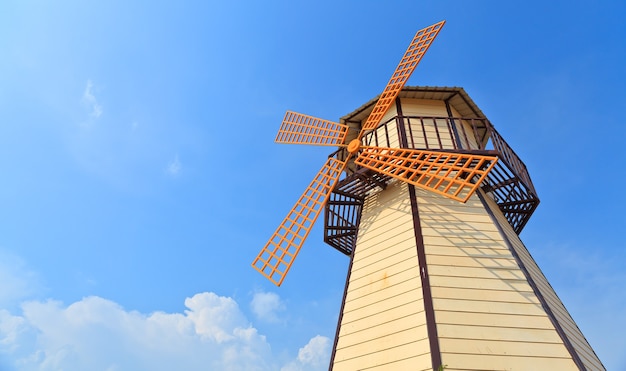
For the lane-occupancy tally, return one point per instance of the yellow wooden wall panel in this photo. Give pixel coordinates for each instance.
(449, 223)
(462, 239)
(388, 359)
(382, 339)
(579, 342)
(498, 296)
(465, 228)
(471, 206)
(479, 306)
(496, 333)
(378, 232)
(453, 221)
(520, 286)
(379, 288)
(372, 208)
(387, 258)
(380, 216)
(472, 261)
(383, 310)
(470, 362)
(423, 107)
(373, 251)
(472, 250)
(363, 330)
(383, 217)
(386, 269)
(487, 283)
(480, 348)
(359, 320)
(493, 319)
(417, 363)
(447, 270)
(375, 225)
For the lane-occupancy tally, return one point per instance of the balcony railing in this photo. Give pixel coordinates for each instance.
(508, 182)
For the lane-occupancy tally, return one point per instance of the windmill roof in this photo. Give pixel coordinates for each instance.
(457, 97)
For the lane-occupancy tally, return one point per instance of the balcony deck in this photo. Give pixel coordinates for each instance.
(508, 182)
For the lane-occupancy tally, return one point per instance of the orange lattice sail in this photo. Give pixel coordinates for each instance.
(303, 129)
(454, 175)
(279, 252)
(414, 53)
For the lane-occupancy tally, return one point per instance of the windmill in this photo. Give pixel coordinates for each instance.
(429, 211)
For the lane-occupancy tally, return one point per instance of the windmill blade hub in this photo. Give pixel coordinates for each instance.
(354, 146)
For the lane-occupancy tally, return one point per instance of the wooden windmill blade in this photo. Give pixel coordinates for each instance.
(454, 175)
(278, 254)
(297, 128)
(413, 55)
(280, 251)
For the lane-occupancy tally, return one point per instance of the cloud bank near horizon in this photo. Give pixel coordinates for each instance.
(98, 334)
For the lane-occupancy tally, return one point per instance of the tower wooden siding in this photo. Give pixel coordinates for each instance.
(473, 276)
(573, 333)
(486, 313)
(383, 321)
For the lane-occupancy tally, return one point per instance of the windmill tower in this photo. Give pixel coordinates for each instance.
(429, 210)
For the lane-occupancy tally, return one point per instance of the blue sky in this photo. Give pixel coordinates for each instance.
(140, 177)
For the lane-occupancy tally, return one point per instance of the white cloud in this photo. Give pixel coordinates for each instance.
(266, 306)
(174, 167)
(98, 334)
(313, 356)
(214, 316)
(94, 333)
(95, 109)
(315, 352)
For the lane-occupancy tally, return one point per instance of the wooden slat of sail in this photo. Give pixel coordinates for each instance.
(454, 175)
(279, 252)
(414, 53)
(303, 129)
